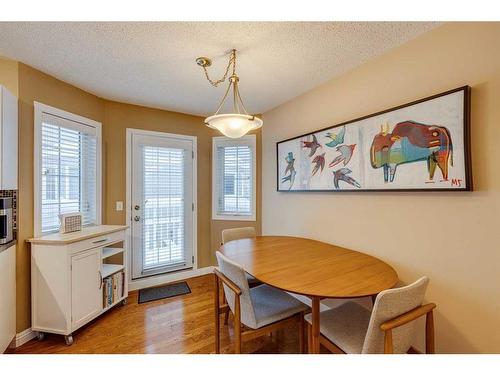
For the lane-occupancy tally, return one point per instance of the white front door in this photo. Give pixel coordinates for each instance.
(162, 204)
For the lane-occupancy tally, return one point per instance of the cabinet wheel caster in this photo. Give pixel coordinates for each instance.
(40, 336)
(68, 339)
(125, 301)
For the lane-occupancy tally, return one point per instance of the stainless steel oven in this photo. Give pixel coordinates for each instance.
(6, 230)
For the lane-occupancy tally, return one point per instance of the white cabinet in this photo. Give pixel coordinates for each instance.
(68, 275)
(7, 296)
(8, 140)
(86, 293)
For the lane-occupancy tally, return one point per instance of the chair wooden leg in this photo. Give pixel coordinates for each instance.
(237, 325)
(315, 325)
(216, 314)
(388, 342)
(429, 333)
(309, 338)
(301, 333)
(226, 313)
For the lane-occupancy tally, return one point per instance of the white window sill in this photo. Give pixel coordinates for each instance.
(234, 217)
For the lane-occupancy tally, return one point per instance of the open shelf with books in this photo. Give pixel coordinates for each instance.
(109, 269)
(113, 288)
(114, 276)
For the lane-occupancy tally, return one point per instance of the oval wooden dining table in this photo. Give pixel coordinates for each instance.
(311, 268)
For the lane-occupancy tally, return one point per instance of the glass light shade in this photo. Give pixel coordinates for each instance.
(233, 125)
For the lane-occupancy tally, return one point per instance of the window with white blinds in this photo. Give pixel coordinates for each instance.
(163, 214)
(68, 181)
(234, 182)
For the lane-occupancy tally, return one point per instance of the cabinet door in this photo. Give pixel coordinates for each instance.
(86, 292)
(7, 297)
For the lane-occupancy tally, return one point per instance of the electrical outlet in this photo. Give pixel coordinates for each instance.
(119, 206)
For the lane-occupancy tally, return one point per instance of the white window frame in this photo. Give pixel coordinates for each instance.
(41, 108)
(249, 140)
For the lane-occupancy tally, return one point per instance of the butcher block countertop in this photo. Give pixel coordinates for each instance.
(84, 234)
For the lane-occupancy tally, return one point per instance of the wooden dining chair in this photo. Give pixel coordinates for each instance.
(257, 311)
(232, 234)
(389, 328)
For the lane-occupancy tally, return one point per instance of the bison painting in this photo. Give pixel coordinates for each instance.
(410, 142)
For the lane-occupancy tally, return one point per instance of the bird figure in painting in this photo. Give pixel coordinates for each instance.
(319, 160)
(342, 175)
(290, 160)
(290, 177)
(346, 152)
(312, 145)
(336, 139)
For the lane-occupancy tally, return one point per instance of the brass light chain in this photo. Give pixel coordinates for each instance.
(232, 61)
(233, 81)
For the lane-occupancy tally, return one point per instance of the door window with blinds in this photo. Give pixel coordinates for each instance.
(163, 197)
(162, 188)
(67, 172)
(233, 182)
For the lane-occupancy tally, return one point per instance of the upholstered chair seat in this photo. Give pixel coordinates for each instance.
(345, 326)
(261, 309)
(261, 305)
(354, 329)
(271, 305)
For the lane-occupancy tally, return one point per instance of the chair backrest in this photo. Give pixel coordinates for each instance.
(237, 234)
(236, 274)
(388, 305)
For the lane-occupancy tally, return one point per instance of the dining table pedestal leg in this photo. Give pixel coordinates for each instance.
(315, 347)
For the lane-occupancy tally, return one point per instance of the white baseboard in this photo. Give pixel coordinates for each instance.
(22, 338)
(168, 278)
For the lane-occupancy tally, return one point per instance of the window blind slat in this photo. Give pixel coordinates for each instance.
(163, 190)
(234, 174)
(69, 167)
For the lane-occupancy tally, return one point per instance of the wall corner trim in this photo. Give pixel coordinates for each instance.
(23, 337)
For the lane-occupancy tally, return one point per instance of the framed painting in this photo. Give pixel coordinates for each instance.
(419, 146)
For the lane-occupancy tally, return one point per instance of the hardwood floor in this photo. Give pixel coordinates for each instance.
(182, 324)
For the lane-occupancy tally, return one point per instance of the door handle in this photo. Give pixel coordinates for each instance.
(136, 218)
(100, 279)
(137, 207)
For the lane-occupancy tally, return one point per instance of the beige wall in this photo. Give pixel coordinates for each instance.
(451, 237)
(9, 75)
(115, 117)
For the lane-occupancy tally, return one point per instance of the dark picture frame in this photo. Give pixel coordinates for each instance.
(309, 144)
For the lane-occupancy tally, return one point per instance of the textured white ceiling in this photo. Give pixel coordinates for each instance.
(153, 64)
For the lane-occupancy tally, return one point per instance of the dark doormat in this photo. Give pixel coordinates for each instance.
(163, 291)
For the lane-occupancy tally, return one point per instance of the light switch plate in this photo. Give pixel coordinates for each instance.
(119, 206)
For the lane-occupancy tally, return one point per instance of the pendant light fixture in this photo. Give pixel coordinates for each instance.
(237, 123)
